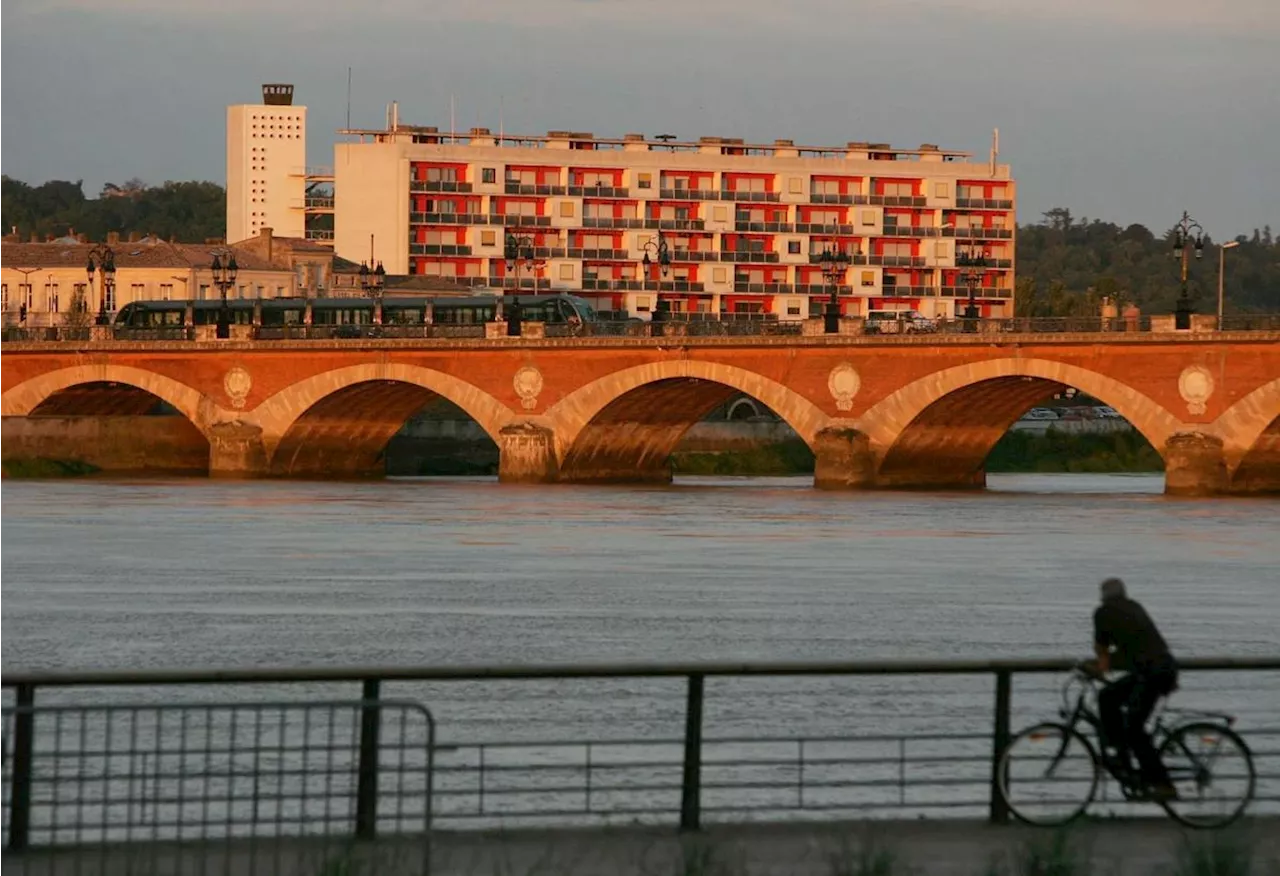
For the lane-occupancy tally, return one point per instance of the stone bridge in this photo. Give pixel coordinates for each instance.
(913, 411)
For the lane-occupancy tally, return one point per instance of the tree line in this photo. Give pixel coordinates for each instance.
(1065, 265)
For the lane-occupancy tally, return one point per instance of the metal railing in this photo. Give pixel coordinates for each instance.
(104, 756)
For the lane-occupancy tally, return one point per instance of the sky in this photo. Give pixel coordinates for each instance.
(1123, 110)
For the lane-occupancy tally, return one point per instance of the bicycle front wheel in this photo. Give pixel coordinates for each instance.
(1048, 774)
(1212, 769)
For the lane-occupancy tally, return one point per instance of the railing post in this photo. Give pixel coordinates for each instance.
(999, 742)
(691, 785)
(367, 775)
(23, 744)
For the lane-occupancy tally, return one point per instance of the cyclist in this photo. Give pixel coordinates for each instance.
(1125, 638)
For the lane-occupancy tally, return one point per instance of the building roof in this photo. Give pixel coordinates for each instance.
(149, 252)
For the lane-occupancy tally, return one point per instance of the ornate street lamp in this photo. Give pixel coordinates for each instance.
(103, 259)
(519, 252)
(834, 263)
(374, 283)
(1188, 236)
(224, 277)
(972, 279)
(656, 249)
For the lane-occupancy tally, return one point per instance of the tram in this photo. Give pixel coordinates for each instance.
(553, 309)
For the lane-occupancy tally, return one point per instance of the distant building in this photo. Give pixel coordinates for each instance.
(745, 224)
(42, 280)
(266, 165)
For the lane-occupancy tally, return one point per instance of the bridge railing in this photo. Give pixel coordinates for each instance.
(242, 754)
(685, 325)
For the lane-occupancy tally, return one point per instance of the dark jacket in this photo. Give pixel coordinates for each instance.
(1124, 626)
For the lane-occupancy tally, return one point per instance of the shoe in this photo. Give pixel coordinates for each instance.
(1162, 792)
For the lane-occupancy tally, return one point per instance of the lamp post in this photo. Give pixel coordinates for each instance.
(1187, 234)
(103, 259)
(656, 249)
(834, 264)
(519, 253)
(224, 277)
(971, 312)
(373, 283)
(1222, 270)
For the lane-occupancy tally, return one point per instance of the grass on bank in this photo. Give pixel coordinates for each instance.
(42, 467)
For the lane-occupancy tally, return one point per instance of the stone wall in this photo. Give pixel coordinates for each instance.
(128, 443)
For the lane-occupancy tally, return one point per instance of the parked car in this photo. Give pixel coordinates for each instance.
(897, 322)
(1107, 413)
(1040, 414)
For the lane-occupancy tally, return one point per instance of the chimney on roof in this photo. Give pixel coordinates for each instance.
(113, 238)
(133, 237)
(35, 238)
(265, 236)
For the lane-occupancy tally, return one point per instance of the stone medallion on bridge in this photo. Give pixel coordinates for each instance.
(528, 383)
(844, 383)
(237, 384)
(1195, 385)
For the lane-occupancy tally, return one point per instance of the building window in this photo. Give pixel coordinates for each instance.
(4, 302)
(566, 208)
(868, 217)
(111, 297)
(720, 275)
(868, 278)
(137, 292)
(488, 238)
(26, 296)
(166, 291)
(645, 181)
(204, 291)
(566, 272)
(279, 291)
(795, 185)
(941, 190)
(51, 296)
(720, 214)
(488, 174)
(793, 247)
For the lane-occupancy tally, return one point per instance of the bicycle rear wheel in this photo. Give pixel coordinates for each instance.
(1048, 774)
(1212, 769)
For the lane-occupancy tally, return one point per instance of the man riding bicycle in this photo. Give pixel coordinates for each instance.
(1125, 638)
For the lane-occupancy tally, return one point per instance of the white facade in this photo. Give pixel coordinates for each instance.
(266, 162)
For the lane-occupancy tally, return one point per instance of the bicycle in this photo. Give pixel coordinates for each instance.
(1049, 773)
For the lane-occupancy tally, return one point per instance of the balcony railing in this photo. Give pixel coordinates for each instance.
(763, 288)
(815, 258)
(821, 228)
(728, 195)
(612, 222)
(607, 254)
(439, 249)
(606, 285)
(984, 203)
(599, 191)
(674, 286)
(978, 233)
(449, 218)
(676, 224)
(766, 227)
(689, 255)
(979, 292)
(832, 198)
(754, 257)
(689, 194)
(319, 234)
(893, 261)
(895, 200)
(521, 189)
(891, 290)
(422, 185)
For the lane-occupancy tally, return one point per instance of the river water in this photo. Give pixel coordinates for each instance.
(138, 574)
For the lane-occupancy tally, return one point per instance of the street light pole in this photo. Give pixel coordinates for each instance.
(102, 258)
(519, 252)
(224, 277)
(834, 264)
(1222, 270)
(1187, 234)
(373, 283)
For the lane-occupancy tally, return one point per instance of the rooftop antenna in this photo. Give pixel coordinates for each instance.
(502, 130)
(995, 148)
(452, 128)
(348, 98)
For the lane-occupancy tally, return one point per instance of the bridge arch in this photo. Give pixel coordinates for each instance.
(28, 396)
(624, 426)
(1250, 433)
(339, 421)
(938, 430)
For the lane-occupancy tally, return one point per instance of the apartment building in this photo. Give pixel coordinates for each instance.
(745, 225)
(266, 165)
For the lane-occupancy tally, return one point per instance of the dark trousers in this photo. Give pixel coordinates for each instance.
(1125, 707)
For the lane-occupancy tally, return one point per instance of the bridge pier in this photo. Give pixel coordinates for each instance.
(236, 451)
(527, 454)
(1195, 465)
(843, 460)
